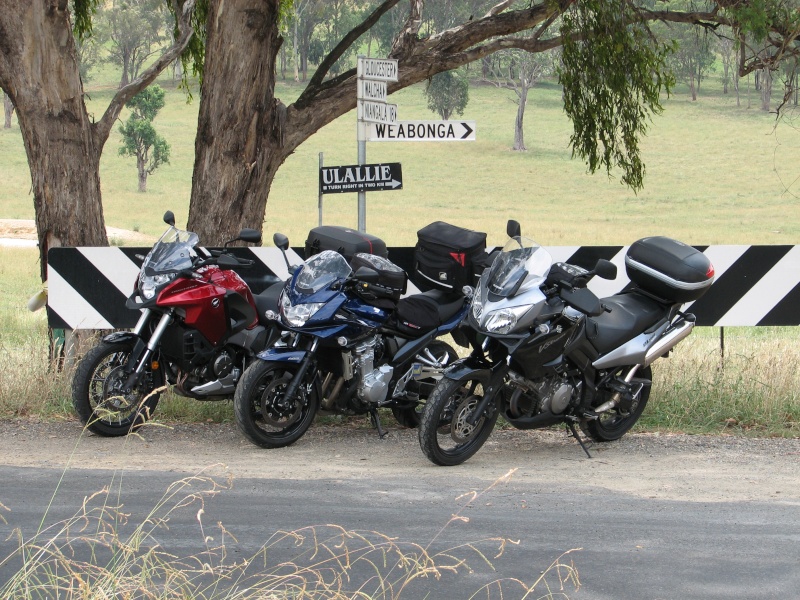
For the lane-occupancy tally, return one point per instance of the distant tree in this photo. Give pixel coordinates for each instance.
(692, 58)
(447, 93)
(132, 30)
(520, 71)
(8, 110)
(87, 57)
(139, 137)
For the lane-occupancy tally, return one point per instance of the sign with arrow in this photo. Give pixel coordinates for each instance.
(360, 178)
(422, 131)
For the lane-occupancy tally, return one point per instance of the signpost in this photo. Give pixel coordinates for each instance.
(374, 74)
(421, 131)
(360, 178)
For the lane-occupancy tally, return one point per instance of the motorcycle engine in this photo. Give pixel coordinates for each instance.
(373, 383)
(552, 395)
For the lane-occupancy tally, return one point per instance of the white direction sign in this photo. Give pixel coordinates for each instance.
(421, 131)
(384, 69)
(377, 112)
(371, 89)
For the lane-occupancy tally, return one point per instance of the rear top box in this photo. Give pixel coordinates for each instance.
(343, 240)
(669, 269)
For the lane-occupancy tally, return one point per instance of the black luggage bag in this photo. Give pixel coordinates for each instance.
(392, 279)
(446, 257)
(343, 240)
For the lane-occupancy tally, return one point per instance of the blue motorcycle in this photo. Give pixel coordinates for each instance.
(350, 345)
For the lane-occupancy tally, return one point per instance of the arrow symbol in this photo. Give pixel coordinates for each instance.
(394, 183)
(469, 130)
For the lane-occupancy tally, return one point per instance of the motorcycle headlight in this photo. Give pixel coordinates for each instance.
(504, 320)
(148, 285)
(296, 315)
(477, 304)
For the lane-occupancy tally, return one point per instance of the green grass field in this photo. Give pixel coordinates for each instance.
(717, 173)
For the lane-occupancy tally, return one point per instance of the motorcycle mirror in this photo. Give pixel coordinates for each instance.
(280, 241)
(169, 218)
(605, 269)
(513, 228)
(250, 235)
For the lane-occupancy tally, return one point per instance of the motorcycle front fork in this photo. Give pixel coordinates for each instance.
(143, 351)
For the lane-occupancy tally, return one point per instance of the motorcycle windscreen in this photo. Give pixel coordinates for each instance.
(173, 252)
(321, 270)
(521, 257)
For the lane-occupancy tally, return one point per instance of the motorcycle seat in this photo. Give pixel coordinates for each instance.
(447, 304)
(268, 300)
(630, 314)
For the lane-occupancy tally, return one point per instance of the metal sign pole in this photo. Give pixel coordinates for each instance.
(361, 137)
(320, 191)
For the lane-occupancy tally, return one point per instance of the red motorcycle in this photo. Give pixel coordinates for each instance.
(200, 327)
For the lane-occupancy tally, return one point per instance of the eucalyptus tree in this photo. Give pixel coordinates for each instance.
(39, 71)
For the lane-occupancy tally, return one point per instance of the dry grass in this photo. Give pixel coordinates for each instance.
(97, 554)
(754, 388)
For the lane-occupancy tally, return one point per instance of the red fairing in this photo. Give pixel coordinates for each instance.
(203, 300)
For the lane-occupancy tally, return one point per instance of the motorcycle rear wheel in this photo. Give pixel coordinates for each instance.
(410, 416)
(613, 424)
(97, 395)
(445, 436)
(262, 412)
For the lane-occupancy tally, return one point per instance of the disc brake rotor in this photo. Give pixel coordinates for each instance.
(276, 409)
(113, 397)
(460, 430)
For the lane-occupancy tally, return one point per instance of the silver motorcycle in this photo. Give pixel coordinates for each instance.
(548, 351)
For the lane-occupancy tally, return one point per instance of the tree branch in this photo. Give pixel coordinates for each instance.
(316, 80)
(103, 127)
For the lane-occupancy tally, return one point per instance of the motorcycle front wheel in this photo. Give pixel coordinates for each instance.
(445, 435)
(264, 414)
(98, 396)
(613, 424)
(437, 351)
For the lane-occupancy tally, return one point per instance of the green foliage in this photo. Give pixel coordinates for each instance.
(83, 11)
(139, 137)
(758, 17)
(613, 72)
(148, 102)
(447, 93)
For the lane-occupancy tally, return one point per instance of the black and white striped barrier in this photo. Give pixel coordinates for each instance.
(754, 285)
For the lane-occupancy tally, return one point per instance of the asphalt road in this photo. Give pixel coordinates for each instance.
(630, 547)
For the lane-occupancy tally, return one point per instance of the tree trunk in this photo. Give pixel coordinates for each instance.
(519, 133)
(236, 158)
(39, 70)
(8, 110)
(126, 60)
(766, 89)
(142, 168)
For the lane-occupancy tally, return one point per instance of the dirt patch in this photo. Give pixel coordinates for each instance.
(676, 467)
(25, 229)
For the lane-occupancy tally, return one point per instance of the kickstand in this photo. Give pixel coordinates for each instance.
(376, 420)
(575, 434)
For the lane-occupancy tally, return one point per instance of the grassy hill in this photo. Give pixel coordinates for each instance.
(716, 173)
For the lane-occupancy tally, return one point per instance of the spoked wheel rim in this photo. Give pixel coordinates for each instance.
(108, 401)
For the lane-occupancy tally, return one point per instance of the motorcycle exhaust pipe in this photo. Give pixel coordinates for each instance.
(668, 341)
